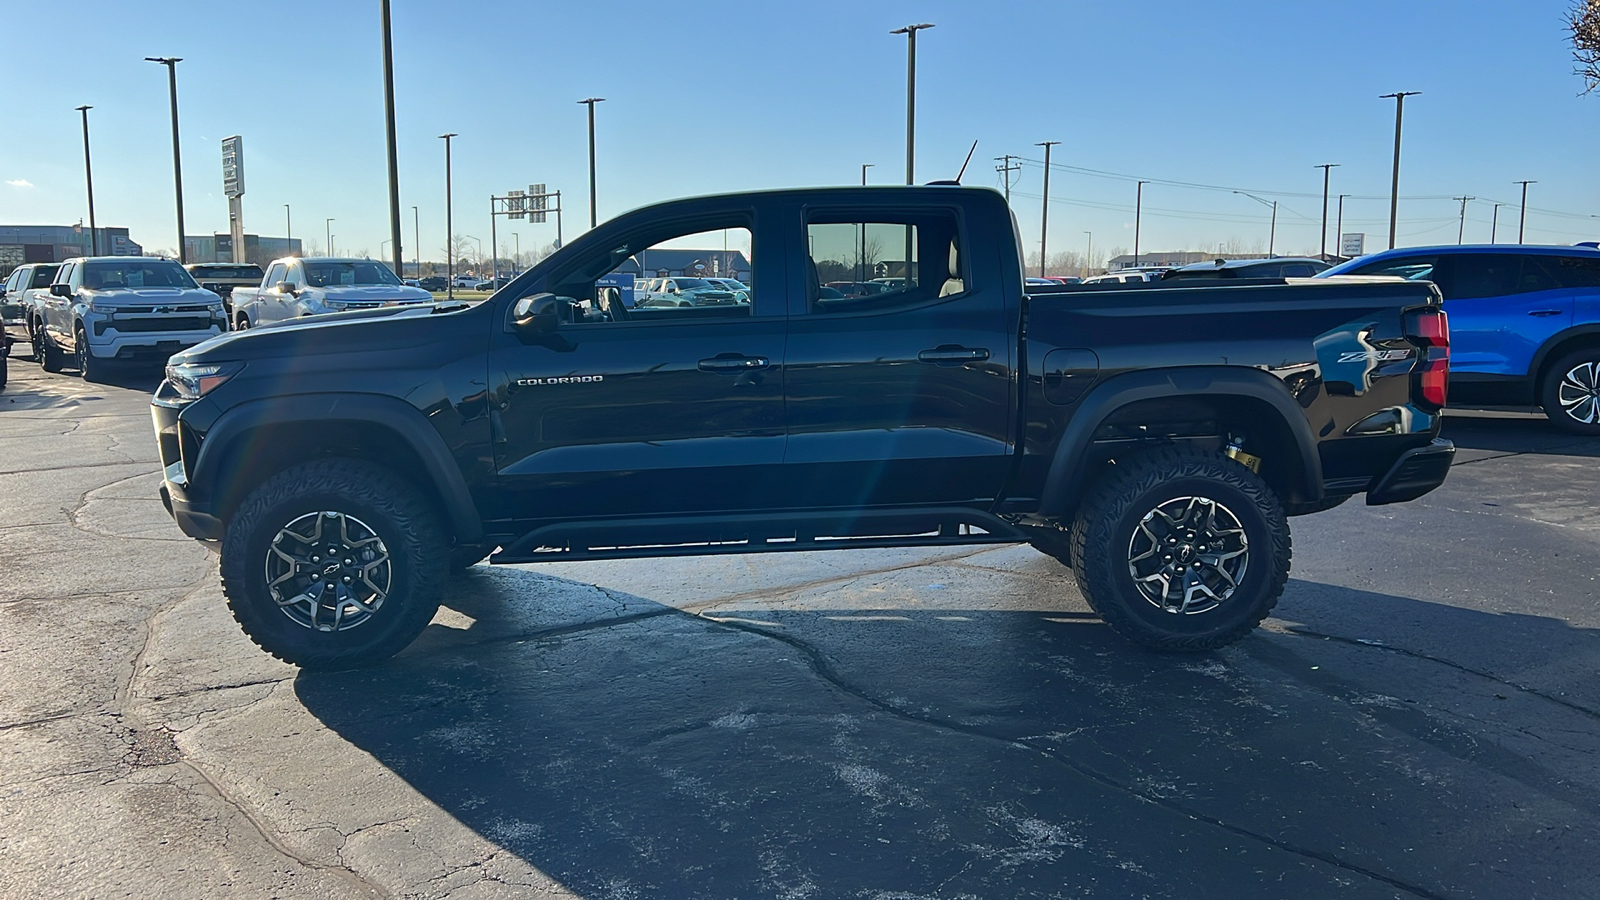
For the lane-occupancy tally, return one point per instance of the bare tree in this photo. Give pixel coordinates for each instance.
(1583, 19)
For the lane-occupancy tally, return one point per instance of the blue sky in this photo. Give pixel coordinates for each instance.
(716, 95)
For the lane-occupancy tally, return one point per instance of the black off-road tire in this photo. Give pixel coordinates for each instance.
(401, 517)
(91, 369)
(1109, 519)
(1573, 370)
(50, 356)
(465, 556)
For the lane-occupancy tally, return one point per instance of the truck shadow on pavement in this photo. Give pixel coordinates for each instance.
(628, 749)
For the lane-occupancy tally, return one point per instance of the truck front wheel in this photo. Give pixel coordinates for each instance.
(333, 563)
(1181, 551)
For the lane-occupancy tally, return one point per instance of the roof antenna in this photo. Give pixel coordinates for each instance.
(964, 163)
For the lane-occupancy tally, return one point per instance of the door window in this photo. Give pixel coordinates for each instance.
(42, 275)
(1479, 275)
(275, 275)
(908, 259)
(693, 274)
(1575, 271)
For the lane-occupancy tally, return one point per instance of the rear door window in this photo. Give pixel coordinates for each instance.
(42, 275)
(1575, 271)
(1477, 275)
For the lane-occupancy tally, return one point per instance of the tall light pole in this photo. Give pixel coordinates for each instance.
(861, 258)
(1338, 226)
(327, 232)
(1522, 220)
(394, 164)
(88, 176)
(1399, 98)
(288, 232)
(1461, 232)
(330, 243)
(590, 102)
(1494, 223)
(1326, 168)
(1138, 213)
(416, 240)
(1272, 236)
(171, 62)
(1088, 254)
(449, 233)
(910, 31)
(516, 260)
(1044, 216)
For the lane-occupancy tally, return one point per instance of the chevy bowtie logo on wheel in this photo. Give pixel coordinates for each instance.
(565, 379)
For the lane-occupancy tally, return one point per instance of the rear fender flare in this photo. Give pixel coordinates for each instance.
(1069, 466)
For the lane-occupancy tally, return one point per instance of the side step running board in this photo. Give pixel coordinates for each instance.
(759, 533)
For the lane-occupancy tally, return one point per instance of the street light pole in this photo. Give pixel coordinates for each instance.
(88, 176)
(1326, 168)
(171, 62)
(861, 259)
(416, 240)
(1088, 254)
(1044, 219)
(327, 232)
(516, 260)
(1523, 218)
(449, 233)
(910, 31)
(330, 244)
(288, 232)
(590, 102)
(1399, 98)
(394, 161)
(1494, 223)
(1338, 227)
(1138, 213)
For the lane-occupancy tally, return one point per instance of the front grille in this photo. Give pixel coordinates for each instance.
(185, 323)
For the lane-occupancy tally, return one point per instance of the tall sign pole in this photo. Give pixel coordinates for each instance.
(171, 62)
(394, 164)
(593, 213)
(233, 188)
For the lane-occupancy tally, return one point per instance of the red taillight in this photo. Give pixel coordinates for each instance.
(1431, 329)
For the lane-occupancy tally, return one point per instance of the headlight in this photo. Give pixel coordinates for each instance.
(192, 381)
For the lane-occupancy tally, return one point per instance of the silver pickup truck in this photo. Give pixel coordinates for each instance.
(296, 287)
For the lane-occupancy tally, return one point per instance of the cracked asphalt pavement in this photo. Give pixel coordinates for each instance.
(1420, 718)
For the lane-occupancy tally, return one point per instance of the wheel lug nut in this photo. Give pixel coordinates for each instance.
(316, 559)
(347, 579)
(347, 562)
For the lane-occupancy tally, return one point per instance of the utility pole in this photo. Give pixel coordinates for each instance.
(1338, 227)
(416, 240)
(1494, 223)
(1461, 232)
(171, 62)
(88, 176)
(1325, 167)
(910, 31)
(1399, 98)
(1272, 235)
(1088, 254)
(394, 160)
(1523, 219)
(593, 218)
(288, 232)
(449, 233)
(1005, 169)
(1138, 212)
(1044, 215)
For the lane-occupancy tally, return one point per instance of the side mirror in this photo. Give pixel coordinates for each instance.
(540, 314)
(289, 287)
(61, 290)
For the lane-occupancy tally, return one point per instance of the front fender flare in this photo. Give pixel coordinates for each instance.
(1069, 465)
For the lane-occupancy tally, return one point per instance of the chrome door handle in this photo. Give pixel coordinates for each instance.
(950, 354)
(733, 363)
(1544, 312)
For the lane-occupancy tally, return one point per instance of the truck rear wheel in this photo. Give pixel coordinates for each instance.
(1570, 394)
(1181, 551)
(333, 564)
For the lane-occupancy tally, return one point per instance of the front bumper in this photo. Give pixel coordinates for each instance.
(193, 516)
(192, 520)
(1415, 473)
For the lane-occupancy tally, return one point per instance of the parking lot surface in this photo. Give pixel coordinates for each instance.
(1420, 718)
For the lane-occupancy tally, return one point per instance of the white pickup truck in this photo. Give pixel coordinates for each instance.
(296, 287)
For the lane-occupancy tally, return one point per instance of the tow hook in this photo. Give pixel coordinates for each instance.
(1237, 454)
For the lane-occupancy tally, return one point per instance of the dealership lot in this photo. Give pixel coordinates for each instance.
(1419, 718)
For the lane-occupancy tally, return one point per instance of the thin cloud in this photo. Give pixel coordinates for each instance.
(20, 182)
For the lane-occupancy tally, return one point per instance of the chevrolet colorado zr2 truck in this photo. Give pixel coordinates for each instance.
(1156, 442)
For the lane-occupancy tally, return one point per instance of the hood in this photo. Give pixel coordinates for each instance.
(149, 297)
(309, 334)
(375, 293)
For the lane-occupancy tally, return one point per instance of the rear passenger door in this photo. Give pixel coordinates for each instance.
(903, 397)
(1502, 307)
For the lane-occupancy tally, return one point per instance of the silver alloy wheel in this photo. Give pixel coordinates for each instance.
(1188, 555)
(328, 571)
(1579, 393)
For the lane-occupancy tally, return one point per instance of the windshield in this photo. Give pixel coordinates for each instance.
(366, 271)
(136, 273)
(692, 284)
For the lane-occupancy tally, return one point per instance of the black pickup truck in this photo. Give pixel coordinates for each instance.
(1154, 441)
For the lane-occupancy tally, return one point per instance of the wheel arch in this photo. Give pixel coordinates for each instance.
(255, 440)
(1231, 393)
(1579, 337)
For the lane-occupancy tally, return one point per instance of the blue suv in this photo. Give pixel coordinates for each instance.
(1524, 323)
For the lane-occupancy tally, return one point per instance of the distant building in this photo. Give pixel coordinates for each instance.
(689, 263)
(52, 243)
(217, 248)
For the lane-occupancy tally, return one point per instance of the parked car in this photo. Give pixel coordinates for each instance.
(105, 310)
(433, 283)
(22, 304)
(1274, 267)
(1157, 445)
(466, 281)
(1136, 277)
(412, 282)
(859, 288)
(1065, 279)
(682, 291)
(222, 278)
(1524, 323)
(295, 287)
